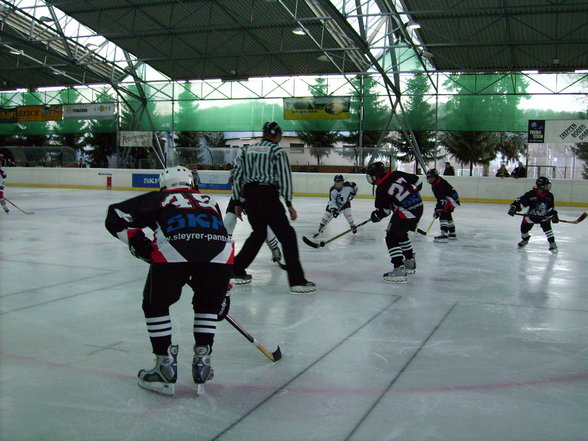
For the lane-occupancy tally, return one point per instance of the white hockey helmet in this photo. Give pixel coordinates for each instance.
(176, 177)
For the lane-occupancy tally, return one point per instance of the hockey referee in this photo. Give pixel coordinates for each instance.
(261, 174)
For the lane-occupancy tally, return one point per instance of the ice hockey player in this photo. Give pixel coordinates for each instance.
(447, 201)
(541, 210)
(340, 196)
(397, 193)
(191, 247)
(2, 182)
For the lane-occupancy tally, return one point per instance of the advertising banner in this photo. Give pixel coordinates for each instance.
(316, 108)
(558, 131)
(39, 113)
(536, 131)
(89, 111)
(145, 180)
(8, 115)
(135, 139)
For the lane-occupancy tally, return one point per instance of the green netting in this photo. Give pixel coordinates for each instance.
(481, 102)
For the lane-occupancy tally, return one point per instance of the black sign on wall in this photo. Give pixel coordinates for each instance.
(536, 131)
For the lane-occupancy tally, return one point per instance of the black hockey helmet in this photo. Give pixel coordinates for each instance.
(271, 129)
(375, 171)
(543, 183)
(339, 178)
(432, 175)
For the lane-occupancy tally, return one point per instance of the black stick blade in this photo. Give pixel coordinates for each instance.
(277, 354)
(424, 233)
(309, 242)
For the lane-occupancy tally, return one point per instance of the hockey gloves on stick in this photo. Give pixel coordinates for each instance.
(437, 212)
(226, 304)
(554, 217)
(140, 247)
(334, 211)
(375, 216)
(512, 210)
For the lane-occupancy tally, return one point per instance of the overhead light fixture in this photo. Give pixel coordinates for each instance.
(581, 71)
(45, 18)
(298, 31)
(323, 58)
(16, 51)
(427, 54)
(412, 25)
(529, 72)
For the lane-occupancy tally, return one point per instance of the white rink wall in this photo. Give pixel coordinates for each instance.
(470, 189)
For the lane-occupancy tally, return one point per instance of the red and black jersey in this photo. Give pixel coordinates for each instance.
(187, 225)
(398, 191)
(447, 197)
(539, 204)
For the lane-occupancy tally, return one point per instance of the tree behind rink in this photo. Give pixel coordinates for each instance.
(101, 135)
(376, 114)
(320, 142)
(421, 117)
(480, 105)
(70, 131)
(581, 151)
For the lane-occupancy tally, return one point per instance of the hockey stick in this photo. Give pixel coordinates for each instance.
(310, 243)
(424, 233)
(577, 221)
(273, 356)
(24, 211)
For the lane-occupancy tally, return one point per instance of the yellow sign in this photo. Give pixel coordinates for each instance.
(39, 113)
(316, 108)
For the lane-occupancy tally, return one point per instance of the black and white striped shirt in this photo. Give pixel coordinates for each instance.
(263, 163)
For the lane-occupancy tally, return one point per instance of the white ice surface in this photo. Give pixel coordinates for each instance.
(484, 342)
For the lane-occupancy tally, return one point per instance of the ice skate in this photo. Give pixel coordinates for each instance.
(242, 279)
(397, 275)
(553, 247)
(201, 369)
(452, 236)
(163, 376)
(305, 288)
(410, 266)
(353, 228)
(6, 210)
(442, 238)
(524, 241)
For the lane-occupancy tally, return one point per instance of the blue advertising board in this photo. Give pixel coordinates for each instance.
(145, 180)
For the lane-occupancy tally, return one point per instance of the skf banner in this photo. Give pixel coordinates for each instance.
(8, 115)
(89, 111)
(39, 113)
(135, 139)
(316, 108)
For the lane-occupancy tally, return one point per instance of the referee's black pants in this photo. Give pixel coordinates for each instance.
(263, 209)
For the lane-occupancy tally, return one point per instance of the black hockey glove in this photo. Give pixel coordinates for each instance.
(374, 216)
(512, 210)
(554, 217)
(334, 211)
(226, 304)
(141, 248)
(437, 212)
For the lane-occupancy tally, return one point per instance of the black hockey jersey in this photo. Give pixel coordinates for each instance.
(447, 197)
(187, 225)
(540, 204)
(398, 191)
